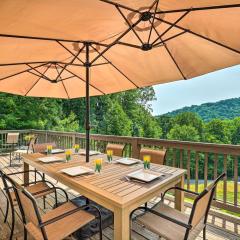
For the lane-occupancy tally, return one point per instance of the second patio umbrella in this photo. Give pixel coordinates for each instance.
(77, 48)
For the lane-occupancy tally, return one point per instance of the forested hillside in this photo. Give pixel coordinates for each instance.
(126, 113)
(225, 109)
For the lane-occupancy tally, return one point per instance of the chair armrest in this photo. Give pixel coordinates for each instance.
(51, 187)
(55, 219)
(180, 189)
(183, 224)
(29, 171)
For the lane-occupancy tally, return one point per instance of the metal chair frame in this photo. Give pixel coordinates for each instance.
(198, 197)
(10, 202)
(42, 224)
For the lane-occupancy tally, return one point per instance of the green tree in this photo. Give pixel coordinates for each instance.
(183, 133)
(190, 119)
(235, 130)
(217, 131)
(117, 122)
(166, 123)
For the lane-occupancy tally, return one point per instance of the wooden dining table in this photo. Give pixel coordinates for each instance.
(110, 188)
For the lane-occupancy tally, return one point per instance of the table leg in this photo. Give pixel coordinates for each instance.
(121, 225)
(179, 196)
(26, 174)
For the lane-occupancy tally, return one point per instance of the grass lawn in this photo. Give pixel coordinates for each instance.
(230, 192)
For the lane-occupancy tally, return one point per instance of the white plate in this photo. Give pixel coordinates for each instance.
(127, 161)
(91, 153)
(50, 159)
(56, 150)
(76, 171)
(144, 175)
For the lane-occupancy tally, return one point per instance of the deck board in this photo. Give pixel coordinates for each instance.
(217, 229)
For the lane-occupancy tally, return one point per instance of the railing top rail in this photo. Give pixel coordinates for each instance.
(195, 146)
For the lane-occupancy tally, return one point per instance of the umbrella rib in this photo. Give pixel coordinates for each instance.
(169, 28)
(41, 74)
(15, 74)
(175, 62)
(37, 81)
(154, 15)
(129, 45)
(59, 73)
(82, 80)
(126, 20)
(170, 38)
(35, 74)
(75, 56)
(99, 64)
(155, 2)
(22, 63)
(116, 41)
(201, 36)
(202, 8)
(51, 39)
(170, 54)
(69, 51)
(117, 69)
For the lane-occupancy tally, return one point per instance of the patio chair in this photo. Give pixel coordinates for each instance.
(11, 144)
(56, 224)
(41, 147)
(26, 149)
(157, 156)
(116, 148)
(38, 188)
(172, 224)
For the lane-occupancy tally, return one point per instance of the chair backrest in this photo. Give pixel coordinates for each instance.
(202, 203)
(41, 147)
(26, 202)
(12, 138)
(157, 156)
(116, 148)
(28, 206)
(8, 187)
(31, 143)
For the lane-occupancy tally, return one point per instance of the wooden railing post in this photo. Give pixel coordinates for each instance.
(73, 139)
(135, 148)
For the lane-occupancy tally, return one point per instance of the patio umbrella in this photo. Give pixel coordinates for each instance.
(77, 48)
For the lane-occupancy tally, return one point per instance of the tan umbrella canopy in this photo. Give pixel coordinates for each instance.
(78, 48)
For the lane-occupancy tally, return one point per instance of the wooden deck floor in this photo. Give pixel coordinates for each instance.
(218, 227)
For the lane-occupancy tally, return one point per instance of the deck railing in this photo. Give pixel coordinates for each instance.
(203, 161)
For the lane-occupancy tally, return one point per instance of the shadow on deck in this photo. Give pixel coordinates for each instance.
(220, 226)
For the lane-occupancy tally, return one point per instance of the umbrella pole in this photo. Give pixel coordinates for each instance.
(87, 66)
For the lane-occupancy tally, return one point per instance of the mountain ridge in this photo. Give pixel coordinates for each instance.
(223, 109)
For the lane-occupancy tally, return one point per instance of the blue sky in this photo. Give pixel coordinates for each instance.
(223, 84)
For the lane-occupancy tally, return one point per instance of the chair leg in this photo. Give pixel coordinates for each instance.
(25, 233)
(204, 233)
(10, 159)
(100, 227)
(44, 202)
(56, 199)
(6, 213)
(13, 224)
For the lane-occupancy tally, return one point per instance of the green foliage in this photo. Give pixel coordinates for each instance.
(24, 113)
(117, 122)
(166, 123)
(225, 109)
(127, 113)
(184, 133)
(189, 119)
(217, 131)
